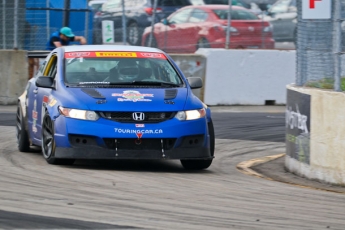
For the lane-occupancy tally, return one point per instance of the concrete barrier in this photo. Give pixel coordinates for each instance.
(316, 141)
(13, 75)
(247, 77)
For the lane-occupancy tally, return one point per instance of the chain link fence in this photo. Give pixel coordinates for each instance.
(319, 49)
(28, 24)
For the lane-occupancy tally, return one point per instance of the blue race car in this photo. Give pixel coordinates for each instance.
(114, 102)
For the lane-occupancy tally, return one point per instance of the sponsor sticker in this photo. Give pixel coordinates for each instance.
(34, 117)
(139, 125)
(52, 102)
(139, 135)
(45, 99)
(116, 54)
(77, 54)
(105, 54)
(152, 55)
(135, 131)
(132, 95)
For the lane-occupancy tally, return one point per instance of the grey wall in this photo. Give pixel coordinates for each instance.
(13, 75)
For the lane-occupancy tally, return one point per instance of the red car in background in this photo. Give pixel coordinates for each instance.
(205, 26)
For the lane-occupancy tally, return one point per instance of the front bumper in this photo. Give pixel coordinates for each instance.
(105, 139)
(101, 153)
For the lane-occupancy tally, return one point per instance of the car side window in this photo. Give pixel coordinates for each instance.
(51, 69)
(180, 17)
(244, 15)
(111, 5)
(280, 6)
(198, 16)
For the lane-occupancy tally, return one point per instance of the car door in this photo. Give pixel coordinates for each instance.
(195, 29)
(43, 96)
(31, 102)
(175, 34)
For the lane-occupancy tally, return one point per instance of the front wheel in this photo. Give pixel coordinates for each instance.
(133, 34)
(48, 143)
(22, 134)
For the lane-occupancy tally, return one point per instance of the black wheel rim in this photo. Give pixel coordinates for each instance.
(19, 124)
(133, 34)
(203, 44)
(47, 137)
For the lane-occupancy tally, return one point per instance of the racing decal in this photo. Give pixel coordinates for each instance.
(34, 117)
(52, 102)
(139, 125)
(152, 55)
(139, 135)
(116, 54)
(135, 131)
(77, 54)
(103, 54)
(132, 95)
(45, 99)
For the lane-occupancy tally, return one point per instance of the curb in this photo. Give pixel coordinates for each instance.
(245, 166)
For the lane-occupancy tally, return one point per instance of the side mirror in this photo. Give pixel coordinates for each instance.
(45, 82)
(195, 82)
(165, 21)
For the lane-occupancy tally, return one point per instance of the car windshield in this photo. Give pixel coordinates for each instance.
(119, 68)
(235, 14)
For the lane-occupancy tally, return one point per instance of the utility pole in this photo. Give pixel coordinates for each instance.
(66, 11)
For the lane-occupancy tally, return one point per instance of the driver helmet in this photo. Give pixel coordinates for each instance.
(128, 70)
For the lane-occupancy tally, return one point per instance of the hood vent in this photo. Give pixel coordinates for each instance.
(93, 93)
(170, 94)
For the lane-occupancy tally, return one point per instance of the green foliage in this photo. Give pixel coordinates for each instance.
(325, 83)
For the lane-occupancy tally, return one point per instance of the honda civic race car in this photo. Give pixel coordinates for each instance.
(114, 102)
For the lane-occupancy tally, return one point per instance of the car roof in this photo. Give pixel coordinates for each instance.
(81, 48)
(219, 6)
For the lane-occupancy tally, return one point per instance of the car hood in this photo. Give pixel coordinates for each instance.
(124, 99)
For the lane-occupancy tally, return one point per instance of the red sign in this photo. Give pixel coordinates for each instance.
(312, 3)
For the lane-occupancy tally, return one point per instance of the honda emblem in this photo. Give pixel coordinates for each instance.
(138, 116)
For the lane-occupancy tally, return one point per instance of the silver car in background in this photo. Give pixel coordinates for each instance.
(283, 17)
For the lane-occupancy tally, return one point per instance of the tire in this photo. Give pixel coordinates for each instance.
(133, 34)
(153, 42)
(203, 43)
(21, 132)
(212, 137)
(202, 164)
(48, 143)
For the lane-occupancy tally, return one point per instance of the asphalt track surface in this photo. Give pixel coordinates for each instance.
(161, 194)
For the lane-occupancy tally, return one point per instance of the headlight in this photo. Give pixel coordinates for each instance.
(79, 114)
(190, 114)
(267, 29)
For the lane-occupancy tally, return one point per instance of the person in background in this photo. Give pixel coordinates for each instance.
(63, 37)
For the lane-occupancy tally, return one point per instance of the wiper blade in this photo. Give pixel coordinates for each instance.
(155, 83)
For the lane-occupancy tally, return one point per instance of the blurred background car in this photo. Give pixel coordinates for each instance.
(138, 15)
(204, 26)
(283, 17)
(256, 6)
(96, 5)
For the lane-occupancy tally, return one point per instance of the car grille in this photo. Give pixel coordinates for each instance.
(127, 117)
(139, 144)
